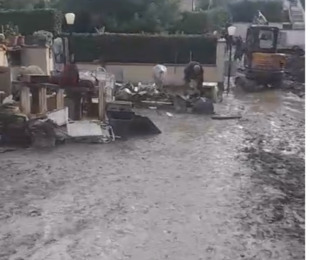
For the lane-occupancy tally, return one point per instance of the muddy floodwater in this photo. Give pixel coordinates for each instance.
(203, 189)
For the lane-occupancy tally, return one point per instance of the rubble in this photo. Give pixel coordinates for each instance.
(138, 93)
(295, 65)
(297, 88)
(184, 98)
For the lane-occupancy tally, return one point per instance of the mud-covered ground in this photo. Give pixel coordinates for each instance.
(203, 189)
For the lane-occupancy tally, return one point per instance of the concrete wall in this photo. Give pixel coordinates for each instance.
(292, 38)
(137, 72)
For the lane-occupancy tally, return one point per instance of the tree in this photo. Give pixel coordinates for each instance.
(18, 4)
(126, 15)
(244, 11)
(209, 4)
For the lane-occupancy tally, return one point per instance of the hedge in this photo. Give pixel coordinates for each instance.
(142, 48)
(245, 11)
(29, 21)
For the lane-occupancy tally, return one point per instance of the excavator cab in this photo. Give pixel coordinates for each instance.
(262, 38)
(262, 63)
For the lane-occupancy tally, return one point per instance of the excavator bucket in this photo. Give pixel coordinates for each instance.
(127, 124)
(142, 125)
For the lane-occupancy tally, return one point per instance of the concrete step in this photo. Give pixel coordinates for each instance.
(299, 26)
(297, 13)
(297, 16)
(297, 20)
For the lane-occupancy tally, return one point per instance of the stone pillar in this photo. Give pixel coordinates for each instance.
(220, 62)
(102, 100)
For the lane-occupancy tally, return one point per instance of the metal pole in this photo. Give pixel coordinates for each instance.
(70, 53)
(229, 63)
(64, 47)
(70, 45)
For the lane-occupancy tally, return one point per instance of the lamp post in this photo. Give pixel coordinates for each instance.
(70, 19)
(231, 32)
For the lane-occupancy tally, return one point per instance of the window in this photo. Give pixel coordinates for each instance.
(266, 39)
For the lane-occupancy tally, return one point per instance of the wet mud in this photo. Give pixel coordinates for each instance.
(203, 189)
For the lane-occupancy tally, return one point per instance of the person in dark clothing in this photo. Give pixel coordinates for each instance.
(194, 71)
(239, 49)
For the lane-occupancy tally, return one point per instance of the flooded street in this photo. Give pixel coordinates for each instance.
(203, 189)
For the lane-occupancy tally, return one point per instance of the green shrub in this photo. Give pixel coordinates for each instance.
(245, 11)
(143, 48)
(217, 18)
(29, 21)
(193, 23)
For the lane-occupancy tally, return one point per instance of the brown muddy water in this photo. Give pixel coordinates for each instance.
(203, 189)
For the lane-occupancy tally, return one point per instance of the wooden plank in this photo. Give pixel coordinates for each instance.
(224, 117)
(151, 102)
(42, 100)
(25, 104)
(35, 78)
(60, 99)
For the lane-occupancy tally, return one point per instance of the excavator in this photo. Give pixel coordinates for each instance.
(263, 67)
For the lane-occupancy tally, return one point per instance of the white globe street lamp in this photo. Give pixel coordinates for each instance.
(231, 30)
(70, 19)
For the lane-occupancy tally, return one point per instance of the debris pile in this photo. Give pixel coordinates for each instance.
(13, 124)
(48, 130)
(129, 92)
(184, 98)
(295, 67)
